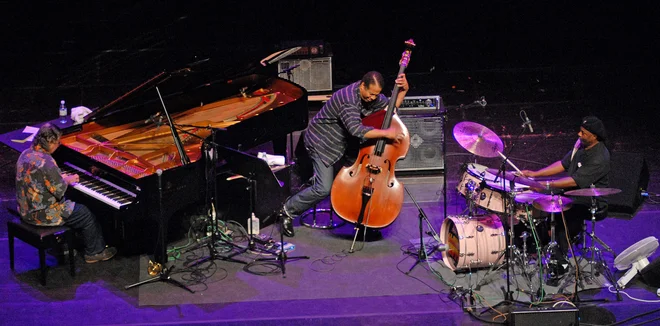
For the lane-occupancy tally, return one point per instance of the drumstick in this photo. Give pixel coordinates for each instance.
(510, 163)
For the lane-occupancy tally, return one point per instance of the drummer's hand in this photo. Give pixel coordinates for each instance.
(527, 173)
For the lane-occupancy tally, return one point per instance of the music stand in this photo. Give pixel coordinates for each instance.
(257, 171)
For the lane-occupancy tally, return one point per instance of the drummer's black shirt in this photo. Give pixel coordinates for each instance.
(589, 167)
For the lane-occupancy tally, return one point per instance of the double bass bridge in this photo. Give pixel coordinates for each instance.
(374, 169)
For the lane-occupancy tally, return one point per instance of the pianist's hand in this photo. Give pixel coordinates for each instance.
(70, 178)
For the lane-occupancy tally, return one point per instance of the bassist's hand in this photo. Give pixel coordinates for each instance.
(394, 134)
(402, 82)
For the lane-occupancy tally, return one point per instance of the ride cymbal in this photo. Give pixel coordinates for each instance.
(551, 203)
(593, 192)
(478, 139)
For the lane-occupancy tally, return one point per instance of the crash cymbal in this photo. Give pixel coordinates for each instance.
(593, 192)
(478, 139)
(512, 176)
(550, 203)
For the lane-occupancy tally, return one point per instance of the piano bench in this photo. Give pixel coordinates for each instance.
(42, 238)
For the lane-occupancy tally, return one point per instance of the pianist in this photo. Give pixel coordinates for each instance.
(40, 188)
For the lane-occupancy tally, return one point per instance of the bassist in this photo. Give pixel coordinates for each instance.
(327, 134)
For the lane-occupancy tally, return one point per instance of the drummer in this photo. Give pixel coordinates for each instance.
(587, 165)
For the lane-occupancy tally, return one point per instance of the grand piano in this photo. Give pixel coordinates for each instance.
(130, 166)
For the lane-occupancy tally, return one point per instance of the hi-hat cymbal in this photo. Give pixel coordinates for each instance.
(511, 176)
(478, 139)
(528, 197)
(593, 192)
(550, 203)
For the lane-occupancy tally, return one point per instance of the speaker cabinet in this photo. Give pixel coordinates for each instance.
(314, 74)
(651, 273)
(545, 316)
(426, 144)
(630, 173)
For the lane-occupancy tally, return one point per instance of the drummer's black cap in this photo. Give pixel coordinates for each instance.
(594, 126)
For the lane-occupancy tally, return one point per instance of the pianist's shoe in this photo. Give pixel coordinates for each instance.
(106, 254)
(287, 222)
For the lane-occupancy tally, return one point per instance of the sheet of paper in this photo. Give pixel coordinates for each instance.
(30, 130)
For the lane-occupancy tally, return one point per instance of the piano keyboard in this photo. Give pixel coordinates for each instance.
(99, 188)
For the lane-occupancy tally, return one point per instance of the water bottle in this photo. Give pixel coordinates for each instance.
(253, 225)
(63, 112)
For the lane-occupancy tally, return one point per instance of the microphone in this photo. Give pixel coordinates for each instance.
(154, 118)
(287, 70)
(529, 124)
(481, 101)
(526, 121)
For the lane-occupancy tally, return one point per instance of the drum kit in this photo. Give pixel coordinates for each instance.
(496, 198)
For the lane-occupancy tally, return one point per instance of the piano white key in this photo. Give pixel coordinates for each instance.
(99, 188)
(113, 203)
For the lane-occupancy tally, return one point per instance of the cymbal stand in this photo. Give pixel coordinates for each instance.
(422, 254)
(594, 253)
(550, 252)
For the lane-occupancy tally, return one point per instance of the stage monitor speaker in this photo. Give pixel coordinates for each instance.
(545, 316)
(651, 273)
(426, 144)
(630, 173)
(314, 74)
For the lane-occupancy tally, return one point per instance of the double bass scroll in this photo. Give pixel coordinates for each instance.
(367, 192)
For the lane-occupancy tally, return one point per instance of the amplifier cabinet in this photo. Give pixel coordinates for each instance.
(314, 74)
(426, 144)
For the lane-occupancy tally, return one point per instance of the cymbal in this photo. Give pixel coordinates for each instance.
(528, 197)
(478, 139)
(550, 203)
(511, 176)
(593, 192)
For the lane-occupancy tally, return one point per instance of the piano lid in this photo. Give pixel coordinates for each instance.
(181, 87)
(250, 110)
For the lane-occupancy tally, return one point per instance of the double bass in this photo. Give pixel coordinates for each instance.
(367, 193)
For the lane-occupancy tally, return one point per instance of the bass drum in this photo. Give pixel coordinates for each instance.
(472, 242)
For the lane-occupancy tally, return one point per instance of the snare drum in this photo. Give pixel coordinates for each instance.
(472, 242)
(479, 186)
(524, 207)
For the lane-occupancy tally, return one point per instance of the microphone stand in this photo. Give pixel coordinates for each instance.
(163, 273)
(508, 203)
(157, 267)
(421, 254)
(213, 159)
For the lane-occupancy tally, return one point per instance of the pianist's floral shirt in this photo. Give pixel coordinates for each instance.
(40, 189)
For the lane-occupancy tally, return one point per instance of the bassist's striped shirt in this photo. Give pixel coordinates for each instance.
(342, 114)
